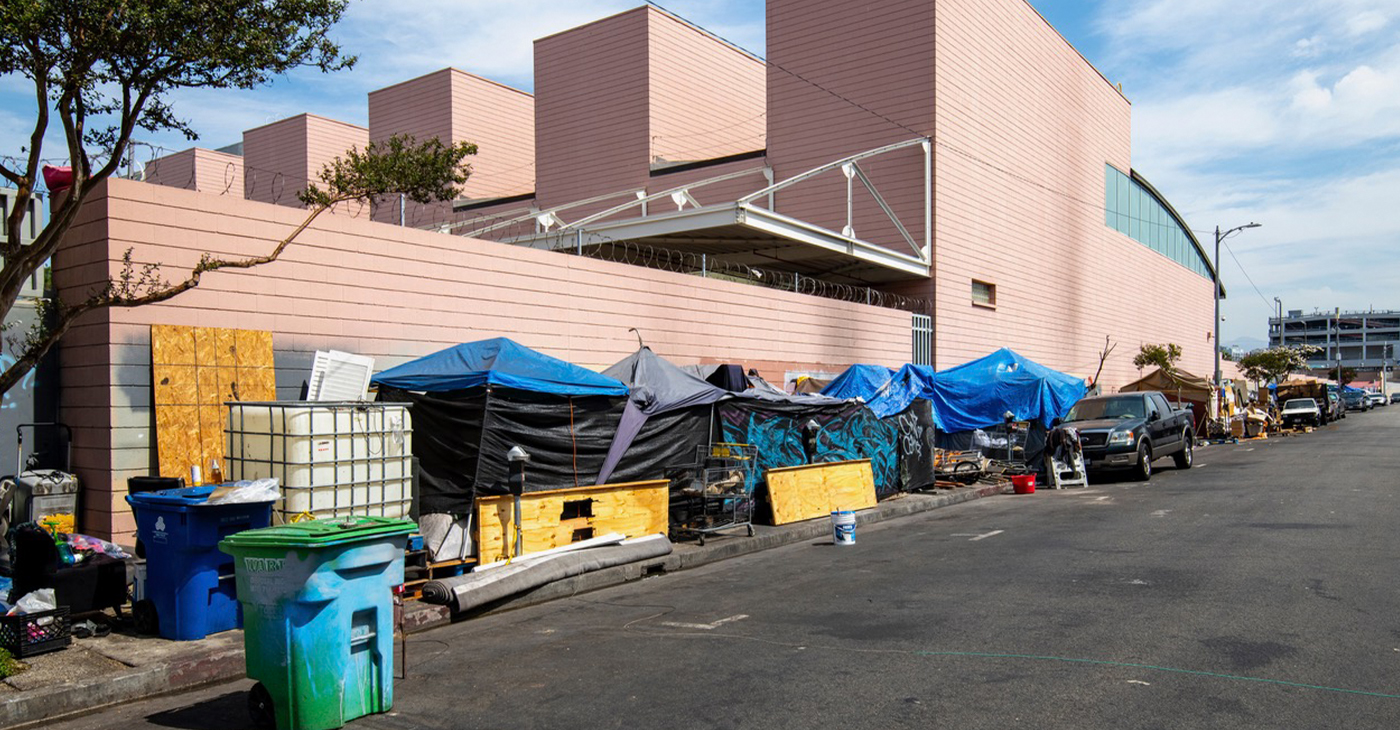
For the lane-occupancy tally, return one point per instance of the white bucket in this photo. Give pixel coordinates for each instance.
(843, 527)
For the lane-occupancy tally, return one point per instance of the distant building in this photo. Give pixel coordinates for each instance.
(29, 230)
(1360, 340)
(19, 404)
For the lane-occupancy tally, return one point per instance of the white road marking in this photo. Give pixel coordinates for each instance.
(986, 535)
(706, 627)
(1161, 513)
(1139, 681)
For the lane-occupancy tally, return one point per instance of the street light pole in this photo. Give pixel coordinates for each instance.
(1279, 302)
(1218, 238)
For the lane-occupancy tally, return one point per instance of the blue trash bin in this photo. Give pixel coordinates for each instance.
(190, 588)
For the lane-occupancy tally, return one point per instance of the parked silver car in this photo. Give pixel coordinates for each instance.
(1301, 411)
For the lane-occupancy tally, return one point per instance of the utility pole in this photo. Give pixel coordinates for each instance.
(1279, 302)
(1218, 238)
(1337, 319)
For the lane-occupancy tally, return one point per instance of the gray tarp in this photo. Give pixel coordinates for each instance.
(654, 386)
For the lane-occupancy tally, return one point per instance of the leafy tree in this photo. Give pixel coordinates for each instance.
(1348, 375)
(1162, 356)
(1276, 363)
(106, 68)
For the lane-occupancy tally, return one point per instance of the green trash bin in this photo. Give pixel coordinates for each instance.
(318, 618)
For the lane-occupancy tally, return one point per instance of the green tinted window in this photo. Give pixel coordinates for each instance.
(1134, 211)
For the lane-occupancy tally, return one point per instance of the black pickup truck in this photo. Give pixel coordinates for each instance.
(1130, 430)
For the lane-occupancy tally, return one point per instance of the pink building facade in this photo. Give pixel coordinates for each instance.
(998, 201)
(208, 171)
(456, 106)
(281, 158)
(393, 293)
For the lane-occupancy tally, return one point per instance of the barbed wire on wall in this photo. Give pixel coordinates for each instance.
(633, 253)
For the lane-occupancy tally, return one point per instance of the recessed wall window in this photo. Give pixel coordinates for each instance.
(984, 294)
(922, 330)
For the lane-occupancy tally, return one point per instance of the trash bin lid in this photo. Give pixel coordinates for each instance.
(182, 497)
(321, 533)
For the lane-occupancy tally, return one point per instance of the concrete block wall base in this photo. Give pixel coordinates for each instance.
(192, 664)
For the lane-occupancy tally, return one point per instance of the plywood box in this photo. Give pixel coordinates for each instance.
(559, 517)
(797, 493)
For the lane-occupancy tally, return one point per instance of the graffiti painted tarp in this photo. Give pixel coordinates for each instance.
(896, 446)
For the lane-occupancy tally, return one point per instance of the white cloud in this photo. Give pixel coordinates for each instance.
(1366, 22)
(1285, 113)
(1308, 47)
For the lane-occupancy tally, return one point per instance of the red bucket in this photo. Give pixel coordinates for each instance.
(1024, 484)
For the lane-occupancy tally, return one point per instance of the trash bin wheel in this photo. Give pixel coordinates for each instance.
(260, 707)
(143, 613)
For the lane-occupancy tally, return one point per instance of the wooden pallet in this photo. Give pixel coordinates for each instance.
(560, 517)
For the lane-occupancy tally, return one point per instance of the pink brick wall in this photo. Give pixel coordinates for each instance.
(1014, 95)
(706, 97)
(397, 293)
(282, 157)
(198, 169)
(456, 106)
(591, 109)
(878, 55)
(635, 89)
(501, 121)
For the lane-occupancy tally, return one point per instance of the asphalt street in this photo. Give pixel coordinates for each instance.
(1256, 590)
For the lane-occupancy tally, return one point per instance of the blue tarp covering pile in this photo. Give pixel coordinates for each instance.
(500, 361)
(978, 394)
(859, 381)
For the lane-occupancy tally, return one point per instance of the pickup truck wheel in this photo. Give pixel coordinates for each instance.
(1183, 458)
(1144, 465)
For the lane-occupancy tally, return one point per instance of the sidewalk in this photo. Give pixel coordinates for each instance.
(97, 672)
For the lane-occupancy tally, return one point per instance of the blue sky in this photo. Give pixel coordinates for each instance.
(1285, 112)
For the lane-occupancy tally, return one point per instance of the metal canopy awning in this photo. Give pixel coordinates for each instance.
(745, 231)
(748, 235)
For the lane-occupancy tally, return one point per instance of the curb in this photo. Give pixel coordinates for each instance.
(26, 709)
(425, 616)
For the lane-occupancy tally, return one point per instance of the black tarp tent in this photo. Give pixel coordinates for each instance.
(667, 417)
(473, 402)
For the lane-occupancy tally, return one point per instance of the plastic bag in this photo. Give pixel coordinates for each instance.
(35, 602)
(245, 492)
(89, 544)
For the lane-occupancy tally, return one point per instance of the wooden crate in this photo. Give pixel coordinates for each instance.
(797, 493)
(559, 517)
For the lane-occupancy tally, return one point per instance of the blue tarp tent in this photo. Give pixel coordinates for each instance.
(977, 394)
(859, 381)
(498, 361)
(473, 402)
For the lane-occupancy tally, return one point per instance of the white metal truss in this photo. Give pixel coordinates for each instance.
(754, 212)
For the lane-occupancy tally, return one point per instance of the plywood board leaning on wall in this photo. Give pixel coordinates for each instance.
(797, 493)
(559, 517)
(196, 370)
